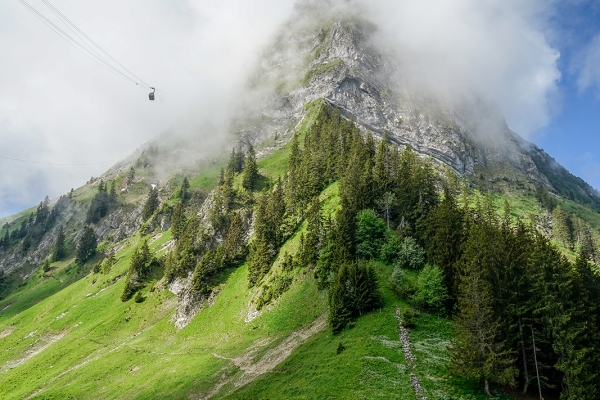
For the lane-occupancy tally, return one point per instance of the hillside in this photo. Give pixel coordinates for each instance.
(350, 245)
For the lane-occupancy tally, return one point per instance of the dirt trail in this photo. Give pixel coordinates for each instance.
(420, 393)
(34, 350)
(270, 360)
(6, 332)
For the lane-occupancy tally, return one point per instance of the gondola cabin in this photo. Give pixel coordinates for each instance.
(151, 94)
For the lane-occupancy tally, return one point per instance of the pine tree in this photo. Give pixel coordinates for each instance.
(183, 192)
(235, 241)
(151, 205)
(478, 351)
(130, 176)
(369, 235)
(250, 172)
(59, 250)
(561, 227)
(178, 220)
(312, 242)
(87, 245)
(139, 268)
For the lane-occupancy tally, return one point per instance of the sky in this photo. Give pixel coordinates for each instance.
(539, 61)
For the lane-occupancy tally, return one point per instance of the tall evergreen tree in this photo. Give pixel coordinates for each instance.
(183, 192)
(250, 172)
(59, 249)
(87, 245)
(151, 205)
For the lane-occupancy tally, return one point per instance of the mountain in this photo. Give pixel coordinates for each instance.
(294, 266)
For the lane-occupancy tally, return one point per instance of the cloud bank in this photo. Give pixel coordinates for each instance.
(58, 106)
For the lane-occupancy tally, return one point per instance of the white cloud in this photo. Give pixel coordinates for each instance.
(589, 66)
(58, 106)
(492, 49)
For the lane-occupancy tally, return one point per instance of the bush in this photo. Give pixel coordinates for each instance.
(391, 248)
(431, 293)
(340, 348)
(407, 318)
(411, 255)
(138, 297)
(370, 231)
(398, 277)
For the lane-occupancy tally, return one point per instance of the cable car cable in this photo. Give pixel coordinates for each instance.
(64, 18)
(49, 163)
(99, 60)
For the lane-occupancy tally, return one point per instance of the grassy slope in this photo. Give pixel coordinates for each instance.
(112, 349)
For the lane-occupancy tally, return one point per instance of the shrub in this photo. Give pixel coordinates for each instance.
(407, 318)
(391, 248)
(138, 297)
(340, 348)
(431, 293)
(411, 255)
(370, 231)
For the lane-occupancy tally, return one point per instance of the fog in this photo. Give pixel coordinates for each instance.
(58, 106)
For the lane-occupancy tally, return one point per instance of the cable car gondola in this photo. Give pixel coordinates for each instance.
(151, 94)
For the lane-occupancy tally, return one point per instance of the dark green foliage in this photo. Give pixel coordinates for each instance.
(178, 220)
(46, 266)
(138, 297)
(478, 351)
(87, 245)
(141, 263)
(340, 348)
(370, 233)
(273, 290)
(390, 249)
(184, 257)
(250, 172)
(431, 292)
(183, 191)
(211, 262)
(312, 240)
(269, 217)
(235, 241)
(545, 199)
(562, 229)
(151, 205)
(408, 318)
(102, 203)
(354, 292)
(130, 175)
(59, 249)
(444, 234)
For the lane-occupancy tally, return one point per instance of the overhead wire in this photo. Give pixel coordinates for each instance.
(49, 163)
(68, 22)
(93, 56)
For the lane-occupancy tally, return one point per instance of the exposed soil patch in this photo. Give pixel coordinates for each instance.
(34, 350)
(6, 332)
(273, 357)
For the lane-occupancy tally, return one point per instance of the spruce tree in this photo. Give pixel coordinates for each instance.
(250, 172)
(151, 205)
(183, 192)
(561, 227)
(478, 351)
(59, 249)
(178, 220)
(87, 245)
(235, 241)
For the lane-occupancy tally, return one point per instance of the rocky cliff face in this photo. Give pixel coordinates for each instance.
(320, 54)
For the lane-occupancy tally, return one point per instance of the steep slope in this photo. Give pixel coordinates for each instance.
(333, 54)
(67, 332)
